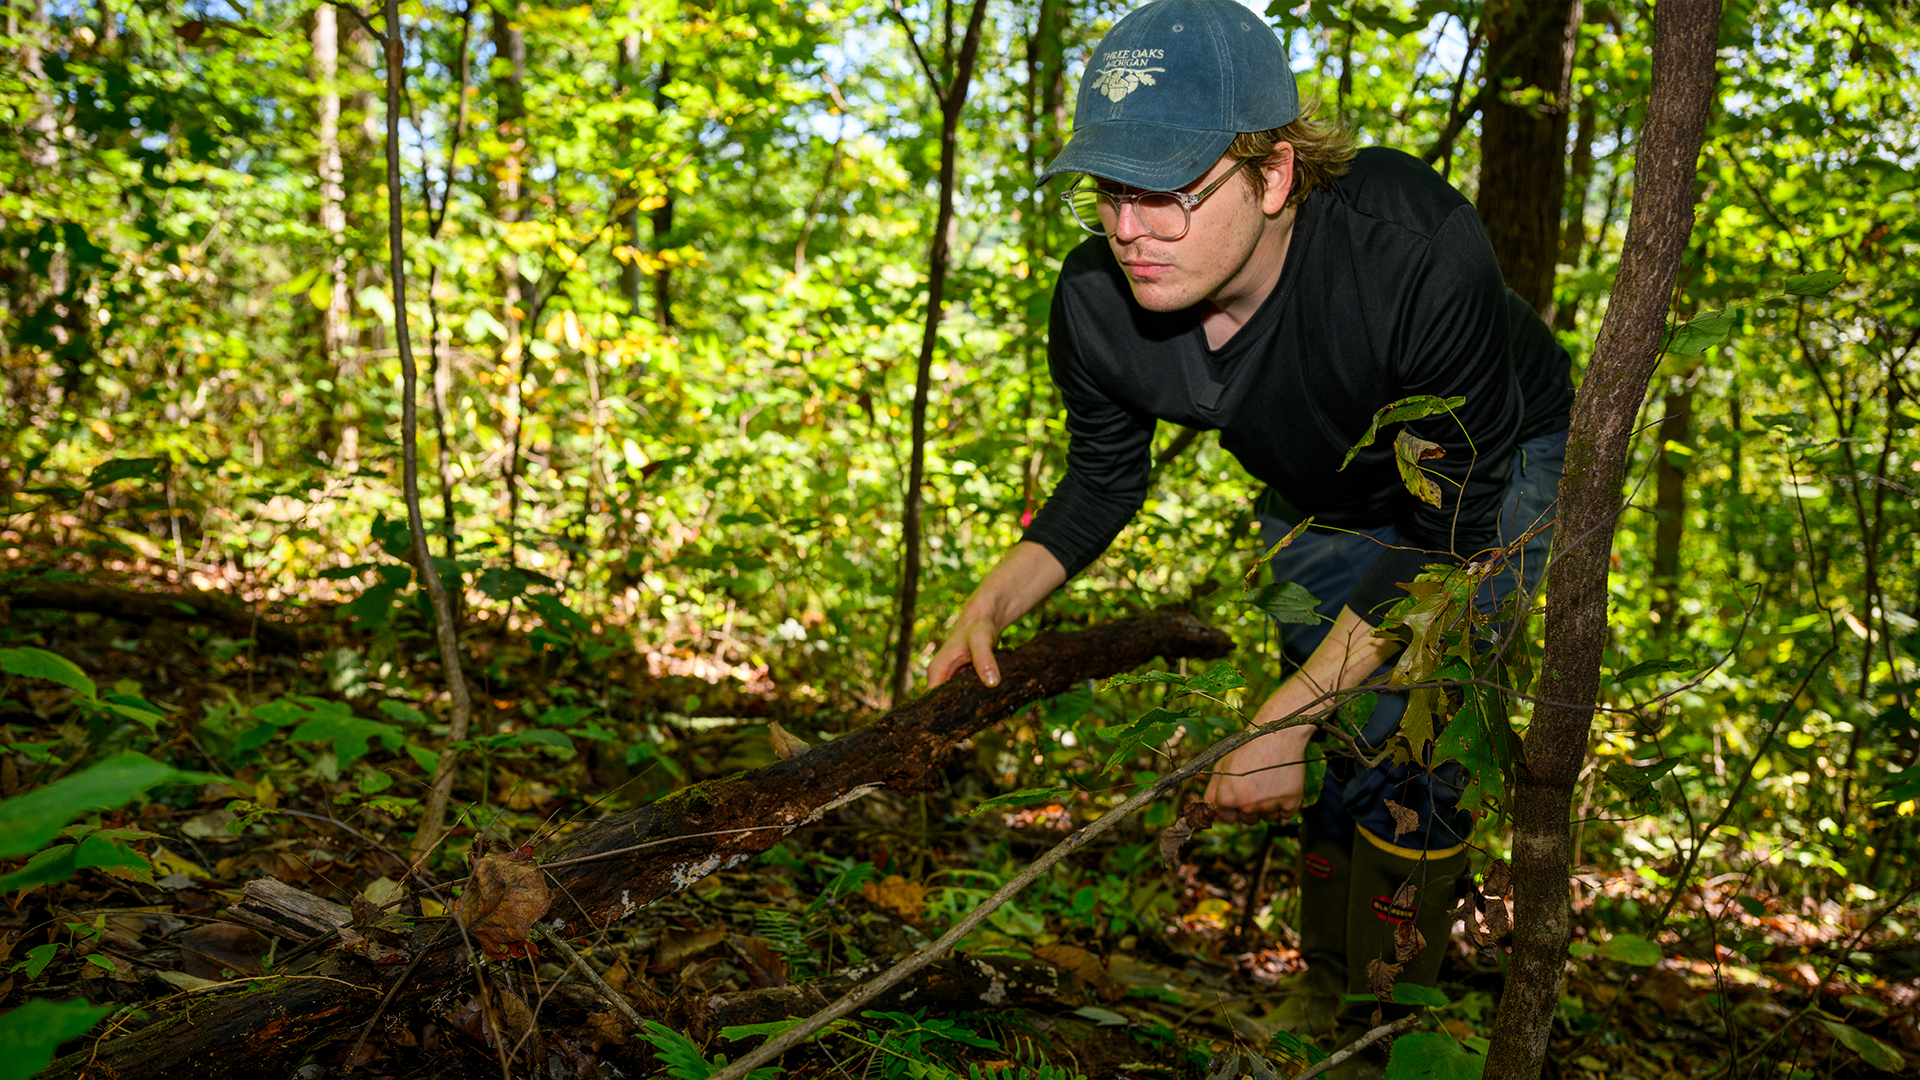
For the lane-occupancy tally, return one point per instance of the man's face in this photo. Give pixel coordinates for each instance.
(1208, 262)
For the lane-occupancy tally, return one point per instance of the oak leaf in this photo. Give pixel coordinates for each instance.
(1404, 820)
(505, 897)
(1407, 941)
(1380, 976)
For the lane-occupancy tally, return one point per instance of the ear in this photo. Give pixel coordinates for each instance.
(1278, 170)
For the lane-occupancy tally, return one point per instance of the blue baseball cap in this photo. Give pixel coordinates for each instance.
(1170, 86)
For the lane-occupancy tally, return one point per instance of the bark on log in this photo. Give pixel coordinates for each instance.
(270, 1029)
(954, 983)
(185, 605)
(1615, 385)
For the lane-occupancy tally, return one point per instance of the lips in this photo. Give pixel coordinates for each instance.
(1140, 270)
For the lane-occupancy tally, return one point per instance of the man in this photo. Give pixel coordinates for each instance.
(1253, 274)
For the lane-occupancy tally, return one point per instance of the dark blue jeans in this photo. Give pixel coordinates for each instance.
(1329, 565)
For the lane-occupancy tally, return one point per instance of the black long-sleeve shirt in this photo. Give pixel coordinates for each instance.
(1390, 289)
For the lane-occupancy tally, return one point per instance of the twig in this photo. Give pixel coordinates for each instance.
(1404, 1024)
(575, 960)
(866, 992)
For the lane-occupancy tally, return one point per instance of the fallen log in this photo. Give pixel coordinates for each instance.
(186, 605)
(617, 865)
(955, 983)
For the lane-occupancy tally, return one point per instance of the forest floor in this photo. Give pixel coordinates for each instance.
(1162, 969)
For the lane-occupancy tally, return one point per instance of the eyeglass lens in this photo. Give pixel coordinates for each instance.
(1158, 212)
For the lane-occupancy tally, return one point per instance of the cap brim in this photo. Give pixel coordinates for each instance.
(1151, 156)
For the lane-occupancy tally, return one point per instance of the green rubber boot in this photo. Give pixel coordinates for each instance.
(1375, 916)
(1313, 1000)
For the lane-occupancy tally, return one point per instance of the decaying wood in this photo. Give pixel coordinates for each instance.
(955, 983)
(281, 909)
(185, 605)
(604, 873)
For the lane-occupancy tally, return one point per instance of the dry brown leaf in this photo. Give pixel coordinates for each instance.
(1086, 969)
(1172, 839)
(1407, 941)
(607, 1029)
(765, 966)
(505, 897)
(676, 947)
(1407, 896)
(208, 950)
(1499, 920)
(1404, 820)
(1499, 879)
(894, 893)
(786, 745)
(1380, 976)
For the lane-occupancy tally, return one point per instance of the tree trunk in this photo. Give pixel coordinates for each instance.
(1523, 146)
(627, 74)
(1604, 412)
(631, 859)
(953, 101)
(325, 71)
(509, 88)
(1670, 505)
(1573, 237)
(662, 219)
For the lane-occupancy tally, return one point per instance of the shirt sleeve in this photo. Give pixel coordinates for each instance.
(1109, 456)
(1452, 341)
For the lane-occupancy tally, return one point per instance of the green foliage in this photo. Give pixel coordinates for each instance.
(29, 821)
(1417, 407)
(683, 1059)
(1430, 1055)
(31, 1033)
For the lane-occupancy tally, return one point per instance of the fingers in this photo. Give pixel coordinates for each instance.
(980, 645)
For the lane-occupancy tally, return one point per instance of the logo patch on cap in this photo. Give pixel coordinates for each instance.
(1384, 907)
(1319, 867)
(1126, 70)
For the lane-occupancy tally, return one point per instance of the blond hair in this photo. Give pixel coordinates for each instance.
(1321, 153)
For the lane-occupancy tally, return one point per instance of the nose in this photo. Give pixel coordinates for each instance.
(1127, 226)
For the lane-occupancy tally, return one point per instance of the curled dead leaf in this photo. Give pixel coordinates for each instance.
(506, 895)
(1407, 941)
(1499, 879)
(1409, 450)
(1380, 977)
(1407, 896)
(1087, 971)
(786, 745)
(1404, 820)
(1499, 920)
(1172, 839)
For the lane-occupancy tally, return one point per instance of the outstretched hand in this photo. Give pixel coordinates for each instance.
(1264, 780)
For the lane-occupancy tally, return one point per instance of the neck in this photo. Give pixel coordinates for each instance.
(1234, 303)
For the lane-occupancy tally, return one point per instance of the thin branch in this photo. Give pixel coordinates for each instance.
(1400, 1026)
(933, 81)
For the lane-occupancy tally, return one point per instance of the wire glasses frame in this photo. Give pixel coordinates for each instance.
(1098, 211)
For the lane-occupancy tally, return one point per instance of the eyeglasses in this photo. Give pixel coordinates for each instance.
(1166, 215)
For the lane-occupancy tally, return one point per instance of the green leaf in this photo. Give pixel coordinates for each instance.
(1701, 333)
(1023, 797)
(37, 959)
(349, 735)
(1656, 667)
(1433, 1055)
(1286, 602)
(403, 712)
(1417, 407)
(1751, 906)
(41, 664)
(1406, 993)
(1068, 709)
(1630, 949)
(1871, 1050)
(428, 760)
(117, 469)
(683, 1059)
(552, 742)
(748, 1031)
(29, 821)
(1819, 283)
(30, 1034)
(1636, 783)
